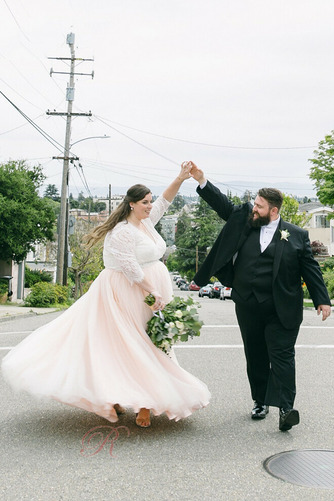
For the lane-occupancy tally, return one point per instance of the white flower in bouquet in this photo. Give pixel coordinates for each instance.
(170, 335)
(179, 325)
(178, 313)
(165, 345)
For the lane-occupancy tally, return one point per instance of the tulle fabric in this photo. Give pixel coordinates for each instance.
(97, 354)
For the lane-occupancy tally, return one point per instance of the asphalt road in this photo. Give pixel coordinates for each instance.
(217, 453)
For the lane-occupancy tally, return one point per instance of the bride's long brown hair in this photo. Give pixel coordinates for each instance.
(134, 194)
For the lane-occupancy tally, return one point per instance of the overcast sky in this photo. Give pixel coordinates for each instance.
(252, 80)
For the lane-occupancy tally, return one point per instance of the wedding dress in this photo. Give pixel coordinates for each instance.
(97, 353)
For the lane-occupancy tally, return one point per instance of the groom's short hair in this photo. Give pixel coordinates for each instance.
(274, 197)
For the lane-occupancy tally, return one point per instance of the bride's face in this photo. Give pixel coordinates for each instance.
(142, 208)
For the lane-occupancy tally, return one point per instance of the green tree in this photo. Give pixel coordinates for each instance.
(207, 226)
(322, 170)
(86, 203)
(177, 204)
(234, 198)
(194, 236)
(86, 263)
(185, 255)
(25, 218)
(74, 204)
(289, 212)
(52, 192)
(247, 196)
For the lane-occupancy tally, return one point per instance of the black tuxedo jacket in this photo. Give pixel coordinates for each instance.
(293, 259)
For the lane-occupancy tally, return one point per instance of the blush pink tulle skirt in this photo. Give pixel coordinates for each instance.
(97, 354)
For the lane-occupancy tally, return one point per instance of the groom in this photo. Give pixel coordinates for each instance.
(264, 260)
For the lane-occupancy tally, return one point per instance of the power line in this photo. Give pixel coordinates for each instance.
(209, 144)
(22, 97)
(16, 22)
(50, 139)
(83, 178)
(138, 142)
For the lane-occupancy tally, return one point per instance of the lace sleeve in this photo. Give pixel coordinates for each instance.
(121, 243)
(159, 207)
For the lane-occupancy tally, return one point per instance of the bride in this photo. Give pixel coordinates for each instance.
(97, 355)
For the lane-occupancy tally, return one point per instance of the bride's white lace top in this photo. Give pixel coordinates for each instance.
(129, 249)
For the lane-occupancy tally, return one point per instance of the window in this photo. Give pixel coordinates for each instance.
(321, 221)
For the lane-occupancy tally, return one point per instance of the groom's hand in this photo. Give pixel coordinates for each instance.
(197, 173)
(325, 309)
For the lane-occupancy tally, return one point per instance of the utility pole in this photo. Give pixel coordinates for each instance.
(62, 252)
(109, 199)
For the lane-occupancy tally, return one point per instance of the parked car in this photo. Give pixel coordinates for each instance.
(179, 279)
(216, 288)
(225, 293)
(175, 277)
(184, 287)
(180, 282)
(193, 286)
(205, 291)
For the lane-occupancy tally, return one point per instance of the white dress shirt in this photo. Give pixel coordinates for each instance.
(266, 233)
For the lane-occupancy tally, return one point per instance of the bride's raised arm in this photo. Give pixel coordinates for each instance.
(173, 188)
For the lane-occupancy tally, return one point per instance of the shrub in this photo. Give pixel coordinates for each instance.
(329, 281)
(306, 292)
(31, 277)
(327, 265)
(3, 286)
(46, 294)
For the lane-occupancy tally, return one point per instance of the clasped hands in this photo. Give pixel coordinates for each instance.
(189, 169)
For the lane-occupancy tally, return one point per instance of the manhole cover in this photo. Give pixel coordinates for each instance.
(306, 467)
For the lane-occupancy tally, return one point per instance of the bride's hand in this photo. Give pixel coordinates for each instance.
(159, 303)
(196, 173)
(185, 171)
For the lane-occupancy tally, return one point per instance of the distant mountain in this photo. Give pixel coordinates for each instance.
(239, 188)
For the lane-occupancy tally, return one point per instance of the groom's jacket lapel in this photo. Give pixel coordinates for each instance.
(279, 249)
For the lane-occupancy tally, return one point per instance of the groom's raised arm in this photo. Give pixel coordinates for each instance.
(211, 194)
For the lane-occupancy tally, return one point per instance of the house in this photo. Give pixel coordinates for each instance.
(168, 228)
(14, 273)
(320, 227)
(43, 258)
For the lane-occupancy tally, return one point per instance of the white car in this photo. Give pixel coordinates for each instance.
(225, 292)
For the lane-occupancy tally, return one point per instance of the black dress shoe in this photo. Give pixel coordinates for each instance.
(288, 418)
(259, 411)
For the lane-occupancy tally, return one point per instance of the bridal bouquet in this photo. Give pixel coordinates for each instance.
(177, 321)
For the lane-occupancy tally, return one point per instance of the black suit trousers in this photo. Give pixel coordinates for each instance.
(270, 353)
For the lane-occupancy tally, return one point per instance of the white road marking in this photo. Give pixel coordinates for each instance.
(223, 346)
(236, 326)
(227, 346)
(218, 326)
(16, 332)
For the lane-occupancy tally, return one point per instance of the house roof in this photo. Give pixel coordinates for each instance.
(314, 207)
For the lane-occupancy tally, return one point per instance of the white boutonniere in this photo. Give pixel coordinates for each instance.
(284, 234)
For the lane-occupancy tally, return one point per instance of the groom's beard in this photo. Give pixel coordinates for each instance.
(259, 221)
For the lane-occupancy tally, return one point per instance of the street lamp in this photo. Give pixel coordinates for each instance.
(62, 254)
(90, 137)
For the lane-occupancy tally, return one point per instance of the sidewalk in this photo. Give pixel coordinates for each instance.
(8, 312)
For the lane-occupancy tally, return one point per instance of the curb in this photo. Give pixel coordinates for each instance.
(26, 315)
